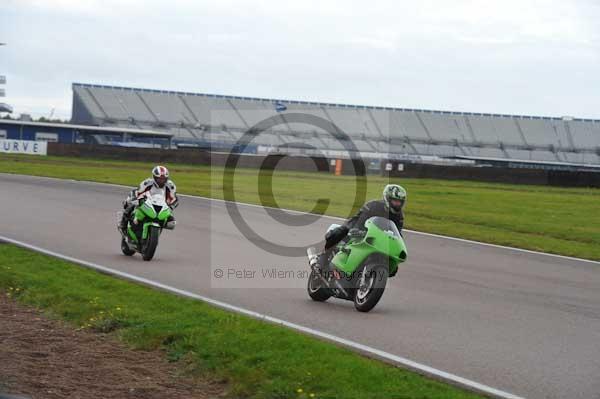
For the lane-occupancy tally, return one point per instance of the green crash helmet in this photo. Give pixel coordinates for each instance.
(394, 197)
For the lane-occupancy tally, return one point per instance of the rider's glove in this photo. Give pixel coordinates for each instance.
(356, 232)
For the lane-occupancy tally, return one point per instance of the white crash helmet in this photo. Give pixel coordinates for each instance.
(160, 175)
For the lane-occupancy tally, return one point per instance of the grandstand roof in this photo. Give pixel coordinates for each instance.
(284, 101)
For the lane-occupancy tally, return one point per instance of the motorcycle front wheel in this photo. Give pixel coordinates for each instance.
(151, 243)
(370, 286)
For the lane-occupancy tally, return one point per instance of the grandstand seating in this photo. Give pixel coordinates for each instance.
(394, 131)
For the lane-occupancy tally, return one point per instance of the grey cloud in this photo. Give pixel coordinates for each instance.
(522, 57)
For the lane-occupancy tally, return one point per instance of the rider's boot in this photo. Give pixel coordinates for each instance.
(125, 218)
(170, 223)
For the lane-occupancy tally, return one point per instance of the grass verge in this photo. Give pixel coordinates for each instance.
(256, 359)
(563, 221)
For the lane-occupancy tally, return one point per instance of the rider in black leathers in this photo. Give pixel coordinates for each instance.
(390, 207)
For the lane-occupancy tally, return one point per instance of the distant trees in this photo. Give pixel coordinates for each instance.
(28, 118)
(48, 120)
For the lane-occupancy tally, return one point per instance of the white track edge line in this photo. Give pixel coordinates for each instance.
(410, 364)
(486, 244)
(467, 241)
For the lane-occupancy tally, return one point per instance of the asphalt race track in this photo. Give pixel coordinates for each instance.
(525, 323)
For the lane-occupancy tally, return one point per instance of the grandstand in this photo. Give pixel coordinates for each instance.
(379, 132)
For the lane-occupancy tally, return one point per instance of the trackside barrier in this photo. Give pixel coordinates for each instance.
(310, 164)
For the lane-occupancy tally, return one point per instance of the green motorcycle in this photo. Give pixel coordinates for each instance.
(360, 266)
(150, 217)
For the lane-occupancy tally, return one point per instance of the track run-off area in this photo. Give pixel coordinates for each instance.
(521, 322)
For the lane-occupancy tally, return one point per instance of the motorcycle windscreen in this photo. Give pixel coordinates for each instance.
(386, 225)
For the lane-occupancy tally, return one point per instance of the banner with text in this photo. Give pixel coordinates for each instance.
(24, 147)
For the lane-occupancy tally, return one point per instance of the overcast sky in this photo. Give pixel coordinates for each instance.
(518, 57)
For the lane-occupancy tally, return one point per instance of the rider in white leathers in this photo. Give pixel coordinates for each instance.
(159, 183)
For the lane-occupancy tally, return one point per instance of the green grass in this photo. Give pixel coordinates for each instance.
(563, 221)
(256, 359)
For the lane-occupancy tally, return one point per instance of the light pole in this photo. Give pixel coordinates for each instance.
(4, 107)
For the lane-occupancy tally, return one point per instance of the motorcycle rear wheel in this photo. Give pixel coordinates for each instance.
(125, 248)
(316, 289)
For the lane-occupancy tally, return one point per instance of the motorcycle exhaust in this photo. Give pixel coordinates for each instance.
(339, 286)
(312, 256)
